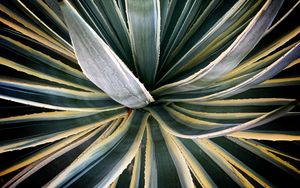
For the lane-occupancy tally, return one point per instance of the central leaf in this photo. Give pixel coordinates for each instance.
(101, 65)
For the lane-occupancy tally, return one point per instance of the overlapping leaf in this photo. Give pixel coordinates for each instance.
(224, 75)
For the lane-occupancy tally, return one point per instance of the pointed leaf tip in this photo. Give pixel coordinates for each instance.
(101, 65)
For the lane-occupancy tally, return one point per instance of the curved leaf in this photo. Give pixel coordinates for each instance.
(184, 130)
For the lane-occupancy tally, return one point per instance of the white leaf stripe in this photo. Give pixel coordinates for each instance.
(194, 122)
(280, 82)
(140, 122)
(211, 115)
(150, 161)
(261, 76)
(54, 107)
(252, 68)
(46, 131)
(39, 140)
(27, 32)
(208, 9)
(235, 53)
(55, 17)
(282, 18)
(244, 102)
(101, 24)
(191, 53)
(33, 53)
(162, 166)
(42, 153)
(195, 106)
(58, 39)
(230, 164)
(205, 44)
(180, 163)
(45, 76)
(50, 90)
(267, 135)
(135, 177)
(48, 138)
(114, 16)
(57, 115)
(130, 132)
(265, 53)
(227, 167)
(20, 174)
(184, 131)
(242, 45)
(20, 177)
(203, 178)
(184, 22)
(35, 98)
(102, 145)
(263, 152)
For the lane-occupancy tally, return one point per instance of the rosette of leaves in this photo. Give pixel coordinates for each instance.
(149, 93)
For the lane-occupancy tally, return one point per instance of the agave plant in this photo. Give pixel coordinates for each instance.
(148, 93)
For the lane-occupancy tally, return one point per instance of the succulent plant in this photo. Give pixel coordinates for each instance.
(149, 93)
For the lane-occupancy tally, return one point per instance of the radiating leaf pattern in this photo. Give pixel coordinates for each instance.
(154, 93)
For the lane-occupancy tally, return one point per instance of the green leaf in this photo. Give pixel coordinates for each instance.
(206, 171)
(196, 168)
(51, 75)
(275, 157)
(115, 18)
(296, 4)
(41, 153)
(27, 172)
(231, 165)
(267, 55)
(184, 22)
(98, 17)
(207, 43)
(105, 159)
(15, 132)
(137, 169)
(165, 166)
(291, 81)
(164, 10)
(284, 128)
(237, 51)
(184, 130)
(232, 116)
(27, 28)
(224, 75)
(208, 7)
(144, 30)
(261, 76)
(244, 102)
(101, 65)
(267, 135)
(48, 30)
(37, 56)
(54, 98)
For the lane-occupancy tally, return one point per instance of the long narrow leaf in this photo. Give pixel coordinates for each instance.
(144, 29)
